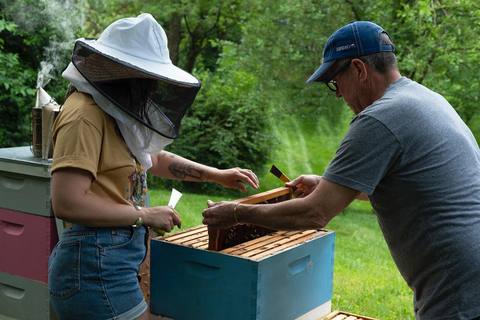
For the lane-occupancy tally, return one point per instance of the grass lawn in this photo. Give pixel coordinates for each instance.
(366, 280)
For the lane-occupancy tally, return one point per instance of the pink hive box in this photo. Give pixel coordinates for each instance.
(26, 242)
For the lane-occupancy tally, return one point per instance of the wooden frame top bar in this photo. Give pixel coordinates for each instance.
(263, 196)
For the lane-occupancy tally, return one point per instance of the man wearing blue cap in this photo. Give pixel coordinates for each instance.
(412, 156)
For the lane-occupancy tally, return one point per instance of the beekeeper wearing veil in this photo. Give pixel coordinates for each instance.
(126, 105)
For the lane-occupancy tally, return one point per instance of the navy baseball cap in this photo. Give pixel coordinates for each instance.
(356, 39)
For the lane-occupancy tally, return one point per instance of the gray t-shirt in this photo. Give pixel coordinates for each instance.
(420, 165)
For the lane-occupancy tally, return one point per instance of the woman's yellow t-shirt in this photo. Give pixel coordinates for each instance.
(87, 138)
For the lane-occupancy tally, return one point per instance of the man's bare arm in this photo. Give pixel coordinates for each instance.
(312, 212)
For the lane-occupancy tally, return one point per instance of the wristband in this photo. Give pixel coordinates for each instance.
(139, 221)
(235, 213)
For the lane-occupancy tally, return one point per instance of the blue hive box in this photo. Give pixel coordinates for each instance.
(285, 275)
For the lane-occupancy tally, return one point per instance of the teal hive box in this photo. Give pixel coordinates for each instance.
(23, 299)
(285, 275)
(24, 181)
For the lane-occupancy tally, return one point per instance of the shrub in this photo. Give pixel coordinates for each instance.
(228, 124)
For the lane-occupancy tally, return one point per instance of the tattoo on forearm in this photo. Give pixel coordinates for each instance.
(182, 171)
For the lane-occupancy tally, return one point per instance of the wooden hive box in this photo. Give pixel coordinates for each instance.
(342, 315)
(280, 275)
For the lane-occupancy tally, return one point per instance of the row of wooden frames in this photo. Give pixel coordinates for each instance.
(255, 249)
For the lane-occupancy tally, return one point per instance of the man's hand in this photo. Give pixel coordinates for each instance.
(304, 185)
(220, 214)
(235, 178)
(161, 218)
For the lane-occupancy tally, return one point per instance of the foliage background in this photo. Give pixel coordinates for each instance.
(254, 108)
(252, 56)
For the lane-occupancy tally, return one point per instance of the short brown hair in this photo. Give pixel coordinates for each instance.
(382, 62)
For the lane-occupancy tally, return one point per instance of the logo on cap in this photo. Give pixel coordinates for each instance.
(345, 47)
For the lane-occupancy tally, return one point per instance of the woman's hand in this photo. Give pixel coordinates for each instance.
(235, 178)
(304, 185)
(161, 218)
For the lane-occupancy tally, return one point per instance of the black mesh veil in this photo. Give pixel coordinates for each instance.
(156, 102)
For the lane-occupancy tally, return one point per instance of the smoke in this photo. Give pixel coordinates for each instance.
(63, 17)
(66, 17)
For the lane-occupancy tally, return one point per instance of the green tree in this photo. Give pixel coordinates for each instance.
(193, 28)
(435, 46)
(434, 40)
(271, 47)
(29, 35)
(17, 87)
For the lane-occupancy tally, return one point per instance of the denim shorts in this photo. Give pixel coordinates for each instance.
(92, 273)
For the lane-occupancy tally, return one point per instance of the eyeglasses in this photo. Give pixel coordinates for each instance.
(332, 84)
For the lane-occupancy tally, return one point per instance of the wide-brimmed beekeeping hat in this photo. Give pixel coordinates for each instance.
(131, 52)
